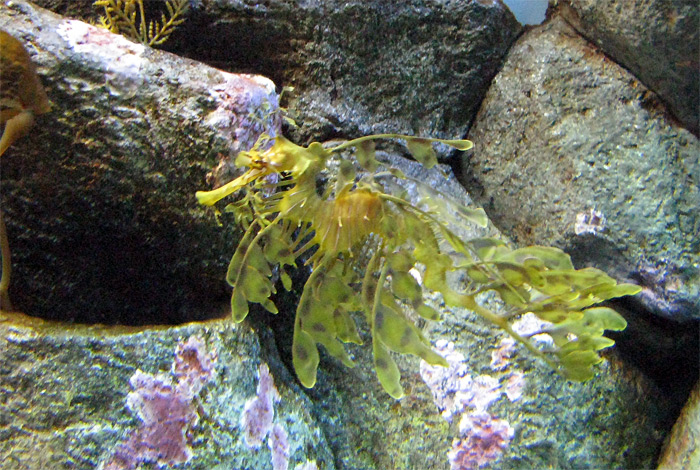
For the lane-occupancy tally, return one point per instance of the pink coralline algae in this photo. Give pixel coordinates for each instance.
(456, 393)
(193, 366)
(279, 446)
(257, 421)
(483, 440)
(166, 409)
(453, 388)
(259, 411)
(499, 357)
(247, 107)
(515, 386)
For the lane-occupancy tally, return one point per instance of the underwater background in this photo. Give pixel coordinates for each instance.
(120, 352)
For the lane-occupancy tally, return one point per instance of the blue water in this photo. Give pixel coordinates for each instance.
(528, 11)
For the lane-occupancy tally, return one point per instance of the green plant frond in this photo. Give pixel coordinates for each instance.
(354, 226)
(128, 18)
(305, 357)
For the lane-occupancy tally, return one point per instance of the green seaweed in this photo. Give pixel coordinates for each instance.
(128, 18)
(361, 244)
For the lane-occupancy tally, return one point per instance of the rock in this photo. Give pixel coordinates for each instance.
(357, 67)
(658, 41)
(99, 198)
(108, 397)
(572, 151)
(683, 447)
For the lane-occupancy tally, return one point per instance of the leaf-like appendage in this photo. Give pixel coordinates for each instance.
(552, 258)
(445, 206)
(305, 357)
(459, 144)
(542, 280)
(487, 248)
(427, 312)
(278, 247)
(323, 318)
(422, 151)
(593, 321)
(286, 279)
(399, 334)
(239, 305)
(405, 287)
(345, 326)
(249, 274)
(316, 318)
(579, 339)
(387, 370)
(366, 156)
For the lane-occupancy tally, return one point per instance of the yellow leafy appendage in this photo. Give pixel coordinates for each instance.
(128, 18)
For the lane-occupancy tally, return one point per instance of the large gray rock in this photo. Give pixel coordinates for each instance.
(358, 67)
(113, 398)
(571, 150)
(99, 197)
(658, 41)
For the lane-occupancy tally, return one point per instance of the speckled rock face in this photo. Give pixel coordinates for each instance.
(99, 197)
(116, 398)
(682, 450)
(414, 66)
(571, 150)
(658, 41)
(358, 67)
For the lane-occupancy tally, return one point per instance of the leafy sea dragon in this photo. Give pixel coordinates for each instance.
(362, 244)
(21, 98)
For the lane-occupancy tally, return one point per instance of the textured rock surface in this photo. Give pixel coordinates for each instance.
(67, 401)
(564, 131)
(683, 447)
(99, 198)
(658, 41)
(358, 67)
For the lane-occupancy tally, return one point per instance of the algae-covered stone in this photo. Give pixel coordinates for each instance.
(105, 397)
(99, 197)
(571, 150)
(657, 40)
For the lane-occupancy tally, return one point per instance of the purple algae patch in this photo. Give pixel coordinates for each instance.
(167, 410)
